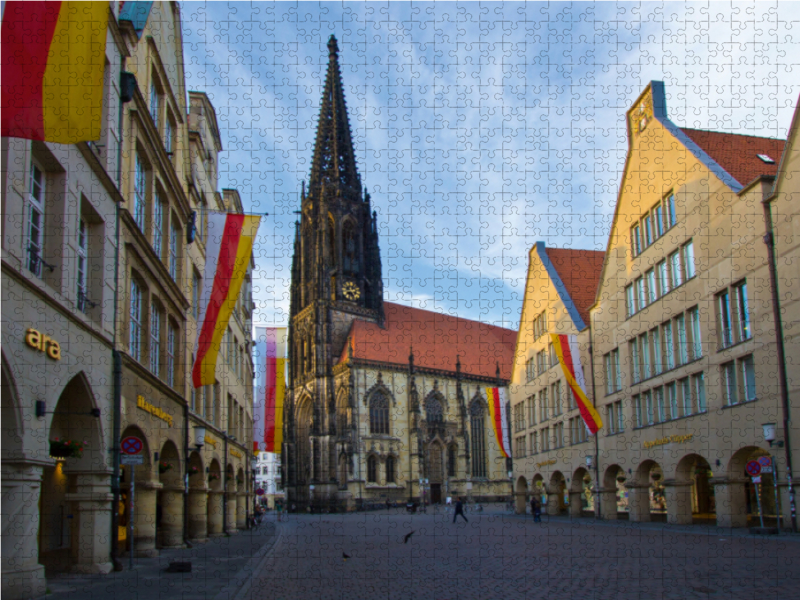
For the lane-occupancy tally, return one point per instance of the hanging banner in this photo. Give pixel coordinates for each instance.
(270, 360)
(566, 347)
(229, 246)
(498, 411)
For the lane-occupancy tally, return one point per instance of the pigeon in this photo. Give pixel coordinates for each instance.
(407, 537)
(345, 556)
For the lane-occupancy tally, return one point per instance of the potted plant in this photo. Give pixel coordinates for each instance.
(163, 467)
(213, 477)
(66, 448)
(621, 478)
(193, 471)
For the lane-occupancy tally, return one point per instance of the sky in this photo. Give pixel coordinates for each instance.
(479, 128)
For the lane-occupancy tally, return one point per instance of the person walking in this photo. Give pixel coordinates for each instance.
(536, 509)
(459, 511)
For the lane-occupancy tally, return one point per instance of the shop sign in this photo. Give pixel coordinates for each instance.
(236, 453)
(670, 439)
(153, 410)
(546, 463)
(210, 442)
(43, 343)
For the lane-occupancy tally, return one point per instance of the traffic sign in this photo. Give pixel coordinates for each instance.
(756, 479)
(765, 470)
(753, 468)
(260, 492)
(131, 445)
(764, 461)
(131, 459)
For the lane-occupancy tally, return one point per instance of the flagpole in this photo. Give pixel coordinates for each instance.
(598, 513)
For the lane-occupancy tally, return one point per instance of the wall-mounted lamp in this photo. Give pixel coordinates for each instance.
(199, 436)
(589, 461)
(770, 435)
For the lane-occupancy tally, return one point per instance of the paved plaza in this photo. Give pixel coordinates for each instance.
(503, 556)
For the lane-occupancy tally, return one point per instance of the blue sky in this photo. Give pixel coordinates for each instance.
(479, 128)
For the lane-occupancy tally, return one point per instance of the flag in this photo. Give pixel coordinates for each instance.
(498, 411)
(566, 347)
(270, 359)
(228, 248)
(53, 61)
(137, 13)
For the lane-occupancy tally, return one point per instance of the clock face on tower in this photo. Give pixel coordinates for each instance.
(351, 291)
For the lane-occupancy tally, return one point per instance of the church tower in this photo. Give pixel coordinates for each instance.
(336, 278)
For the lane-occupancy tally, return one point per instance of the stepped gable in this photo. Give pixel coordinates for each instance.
(438, 342)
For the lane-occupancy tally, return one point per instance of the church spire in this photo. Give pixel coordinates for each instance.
(334, 163)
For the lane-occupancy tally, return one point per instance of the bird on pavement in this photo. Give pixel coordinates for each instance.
(345, 556)
(407, 537)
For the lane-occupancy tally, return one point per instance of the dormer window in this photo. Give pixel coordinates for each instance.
(766, 158)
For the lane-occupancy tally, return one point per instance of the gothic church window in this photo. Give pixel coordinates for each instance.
(372, 469)
(379, 414)
(451, 461)
(433, 410)
(331, 242)
(390, 469)
(478, 439)
(350, 249)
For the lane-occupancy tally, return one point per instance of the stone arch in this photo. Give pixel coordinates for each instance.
(694, 490)
(435, 396)
(169, 502)
(10, 416)
(169, 465)
(555, 493)
(646, 492)
(241, 481)
(215, 474)
(373, 467)
(379, 413)
(343, 411)
(521, 495)
(342, 472)
(581, 494)
(304, 423)
(72, 419)
(379, 388)
(614, 492)
(478, 415)
(737, 494)
(196, 470)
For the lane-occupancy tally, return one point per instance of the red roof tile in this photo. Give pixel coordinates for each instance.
(580, 272)
(737, 153)
(437, 339)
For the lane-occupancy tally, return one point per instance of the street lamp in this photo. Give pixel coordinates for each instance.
(770, 435)
(589, 461)
(199, 436)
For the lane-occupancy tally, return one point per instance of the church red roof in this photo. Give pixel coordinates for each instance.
(438, 340)
(738, 154)
(579, 270)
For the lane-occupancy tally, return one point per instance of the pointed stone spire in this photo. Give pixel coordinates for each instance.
(334, 161)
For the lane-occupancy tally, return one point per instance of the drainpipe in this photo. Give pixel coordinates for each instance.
(225, 486)
(598, 512)
(769, 240)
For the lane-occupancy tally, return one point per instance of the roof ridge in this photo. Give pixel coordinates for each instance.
(448, 315)
(760, 137)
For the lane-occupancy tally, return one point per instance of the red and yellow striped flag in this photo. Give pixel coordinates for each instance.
(566, 347)
(53, 61)
(228, 250)
(270, 359)
(498, 412)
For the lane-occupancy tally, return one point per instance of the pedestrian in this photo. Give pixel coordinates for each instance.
(388, 504)
(536, 509)
(459, 511)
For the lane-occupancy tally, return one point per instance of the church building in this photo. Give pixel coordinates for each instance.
(385, 402)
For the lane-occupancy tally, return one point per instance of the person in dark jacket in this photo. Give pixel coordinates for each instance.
(536, 509)
(459, 511)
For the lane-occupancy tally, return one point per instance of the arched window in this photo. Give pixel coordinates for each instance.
(451, 461)
(331, 241)
(478, 439)
(390, 469)
(433, 410)
(372, 469)
(350, 249)
(379, 414)
(308, 254)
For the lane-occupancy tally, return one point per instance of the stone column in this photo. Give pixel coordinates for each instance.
(22, 575)
(731, 502)
(144, 518)
(608, 503)
(215, 516)
(639, 502)
(172, 517)
(553, 500)
(241, 506)
(230, 512)
(575, 504)
(91, 507)
(679, 501)
(198, 524)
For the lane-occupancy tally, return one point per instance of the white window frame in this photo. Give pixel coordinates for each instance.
(744, 329)
(687, 256)
(173, 251)
(135, 333)
(171, 347)
(155, 339)
(748, 380)
(83, 263)
(140, 193)
(36, 213)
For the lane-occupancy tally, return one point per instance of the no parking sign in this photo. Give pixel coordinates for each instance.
(753, 468)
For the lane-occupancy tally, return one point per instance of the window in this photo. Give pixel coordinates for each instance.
(648, 231)
(543, 406)
(609, 361)
(532, 411)
(644, 344)
(545, 439)
(154, 102)
(173, 251)
(519, 446)
(158, 224)
(694, 329)
(748, 371)
(669, 351)
(635, 365)
(478, 439)
(663, 278)
(658, 220)
(530, 370)
(637, 410)
(729, 384)
(134, 341)
(578, 432)
(686, 396)
(540, 325)
(672, 217)
(139, 193)
(433, 410)
(636, 240)
(551, 352)
(379, 414)
(700, 392)
(390, 469)
(675, 270)
(195, 295)
(535, 442)
(556, 397)
(451, 461)
(630, 300)
(724, 312)
(615, 418)
(83, 243)
(652, 291)
(172, 334)
(541, 362)
(658, 364)
(672, 398)
(647, 398)
(683, 346)
(155, 338)
(687, 252)
(36, 199)
(742, 313)
(168, 135)
(372, 469)
(661, 407)
(641, 298)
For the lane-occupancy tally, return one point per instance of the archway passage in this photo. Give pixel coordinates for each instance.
(694, 494)
(557, 499)
(214, 509)
(435, 470)
(303, 463)
(521, 496)
(614, 494)
(581, 493)
(647, 496)
(737, 496)
(169, 503)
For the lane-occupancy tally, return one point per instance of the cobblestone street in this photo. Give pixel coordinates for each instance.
(503, 556)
